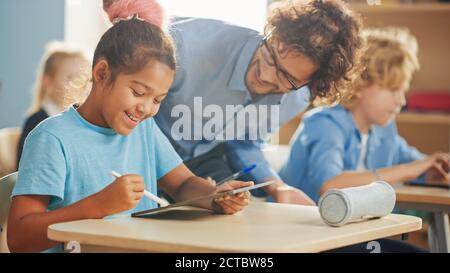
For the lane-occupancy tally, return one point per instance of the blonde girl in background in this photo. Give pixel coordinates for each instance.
(60, 65)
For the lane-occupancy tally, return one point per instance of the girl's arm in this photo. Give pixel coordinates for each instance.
(29, 220)
(181, 184)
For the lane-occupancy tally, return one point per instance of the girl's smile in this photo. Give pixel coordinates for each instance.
(133, 121)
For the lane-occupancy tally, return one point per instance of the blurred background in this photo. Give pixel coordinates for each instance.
(26, 26)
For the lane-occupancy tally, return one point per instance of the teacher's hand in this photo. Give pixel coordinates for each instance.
(282, 193)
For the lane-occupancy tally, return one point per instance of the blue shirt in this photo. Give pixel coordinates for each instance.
(327, 143)
(213, 57)
(68, 158)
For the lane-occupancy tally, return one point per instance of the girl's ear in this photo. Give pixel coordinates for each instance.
(101, 72)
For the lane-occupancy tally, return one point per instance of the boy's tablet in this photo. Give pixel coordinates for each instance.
(444, 186)
(191, 201)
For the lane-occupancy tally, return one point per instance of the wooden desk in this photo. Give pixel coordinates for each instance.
(435, 200)
(261, 227)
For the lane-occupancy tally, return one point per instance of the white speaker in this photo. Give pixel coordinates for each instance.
(340, 206)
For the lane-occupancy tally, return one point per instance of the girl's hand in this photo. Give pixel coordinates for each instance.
(439, 171)
(230, 204)
(121, 195)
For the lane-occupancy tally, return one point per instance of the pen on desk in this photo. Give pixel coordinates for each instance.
(149, 195)
(236, 175)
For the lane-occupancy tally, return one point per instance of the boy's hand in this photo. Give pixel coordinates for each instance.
(121, 195)
(230, 204)
(439, 169)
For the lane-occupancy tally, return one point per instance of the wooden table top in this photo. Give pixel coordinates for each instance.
(422, 195)
(261, 227)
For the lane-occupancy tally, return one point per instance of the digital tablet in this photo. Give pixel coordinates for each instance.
(443, 186)
(191, 201)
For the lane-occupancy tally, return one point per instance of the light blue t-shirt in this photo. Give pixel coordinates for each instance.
(68, 159)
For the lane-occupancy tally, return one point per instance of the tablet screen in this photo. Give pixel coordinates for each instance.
(433, 185)
(191, 201)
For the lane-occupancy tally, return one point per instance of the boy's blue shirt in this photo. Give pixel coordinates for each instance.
(327, 143)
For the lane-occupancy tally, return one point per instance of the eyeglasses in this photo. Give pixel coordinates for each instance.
(283, 77)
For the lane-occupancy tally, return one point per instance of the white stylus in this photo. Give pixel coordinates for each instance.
(151, 196)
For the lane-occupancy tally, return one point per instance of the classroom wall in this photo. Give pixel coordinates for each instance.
(25, 27)
(430, 24)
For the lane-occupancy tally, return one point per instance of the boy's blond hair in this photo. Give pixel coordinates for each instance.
(390, 59)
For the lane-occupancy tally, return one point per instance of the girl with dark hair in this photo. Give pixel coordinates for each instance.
(66, 166)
